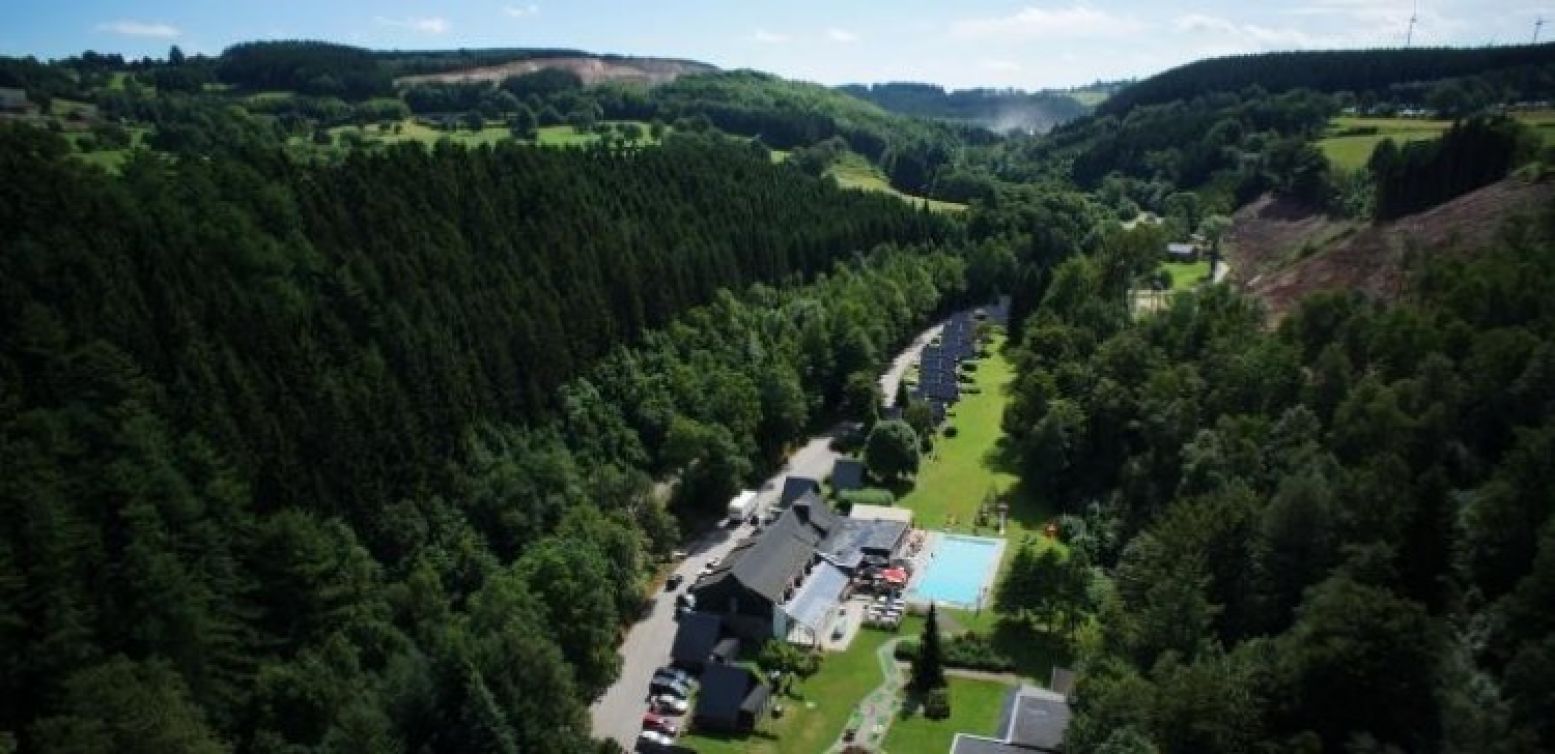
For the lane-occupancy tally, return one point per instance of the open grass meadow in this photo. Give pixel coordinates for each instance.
(1348, 150)
(821, 705)
(411, 129)
(974, 708)
(855, 172)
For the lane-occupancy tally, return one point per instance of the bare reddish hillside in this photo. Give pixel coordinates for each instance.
(1280, 252)
(591, 70)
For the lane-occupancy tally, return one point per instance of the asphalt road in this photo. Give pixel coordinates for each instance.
(618, 713)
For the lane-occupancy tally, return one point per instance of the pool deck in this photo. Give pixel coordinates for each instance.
(924, 561)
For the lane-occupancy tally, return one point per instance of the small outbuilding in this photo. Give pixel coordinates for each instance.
(796, 487)
(732, 700)
(699, 642)
(847, 475)
(1182, 252)
(13, 100)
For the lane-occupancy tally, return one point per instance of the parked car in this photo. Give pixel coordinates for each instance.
(661, 724)
(677, 674)
(650, 740)
(674, 582)
(662, 686)
(666, 704)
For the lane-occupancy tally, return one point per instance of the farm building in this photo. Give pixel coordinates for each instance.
(1182, 252)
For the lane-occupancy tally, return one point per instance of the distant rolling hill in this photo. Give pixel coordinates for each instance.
(592, 69)
(999, 110)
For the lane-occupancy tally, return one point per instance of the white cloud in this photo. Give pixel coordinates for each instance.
(521, 11)
(1000, 66)
(1252, 36)
(1034, 22)
(140, 29)
(841, 35)
(770, 38)
(428, 25)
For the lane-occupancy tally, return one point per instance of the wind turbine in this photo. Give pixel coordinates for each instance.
(1414, 18)
(1538, 26)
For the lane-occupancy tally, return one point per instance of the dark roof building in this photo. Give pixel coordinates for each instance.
(13, 100)
(1033, 720)
(699, 642)
(858, 540)
(732, 700)
(794, 487)
(777, 581)
(847, 474)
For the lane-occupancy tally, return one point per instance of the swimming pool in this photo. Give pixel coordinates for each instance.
(959, 571)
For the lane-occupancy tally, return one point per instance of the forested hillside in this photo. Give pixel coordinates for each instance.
(997, 110)
(1372, 72)
(359, 457)
(1336, 536)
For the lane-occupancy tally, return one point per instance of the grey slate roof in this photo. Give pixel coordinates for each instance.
(695, 638)
(1040, 721)
(848, 546)
(767, 563)
(796, 486)
(847, 474)
(725, 690)
(1032, 720)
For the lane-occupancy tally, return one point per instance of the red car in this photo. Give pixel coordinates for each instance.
(661, 724)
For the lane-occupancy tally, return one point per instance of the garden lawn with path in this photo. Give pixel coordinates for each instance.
(974, 708)
(844, 679)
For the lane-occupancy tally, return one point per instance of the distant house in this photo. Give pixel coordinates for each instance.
(1033, 720)
(847, 474)
(1182, 252)
(732, 700)
(699, 642)
(795, 487)
(13, 100)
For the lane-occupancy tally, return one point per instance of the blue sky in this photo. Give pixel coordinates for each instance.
(1029, 44)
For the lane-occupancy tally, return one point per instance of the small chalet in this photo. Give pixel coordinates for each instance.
(1182, 252)
(733, 700)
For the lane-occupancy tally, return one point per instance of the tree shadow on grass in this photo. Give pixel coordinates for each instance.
(1034, 652)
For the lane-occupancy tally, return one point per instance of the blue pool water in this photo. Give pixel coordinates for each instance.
(962, 567)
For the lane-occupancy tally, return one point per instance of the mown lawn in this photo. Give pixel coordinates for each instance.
(962, 470)
(855, 172)
(1186, 275)
(821, 706)
(974, 708)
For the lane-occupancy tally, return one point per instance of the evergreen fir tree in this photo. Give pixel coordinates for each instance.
(928, 667)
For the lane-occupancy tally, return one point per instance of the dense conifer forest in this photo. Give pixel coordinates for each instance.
(319, 456)
(317, 446)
